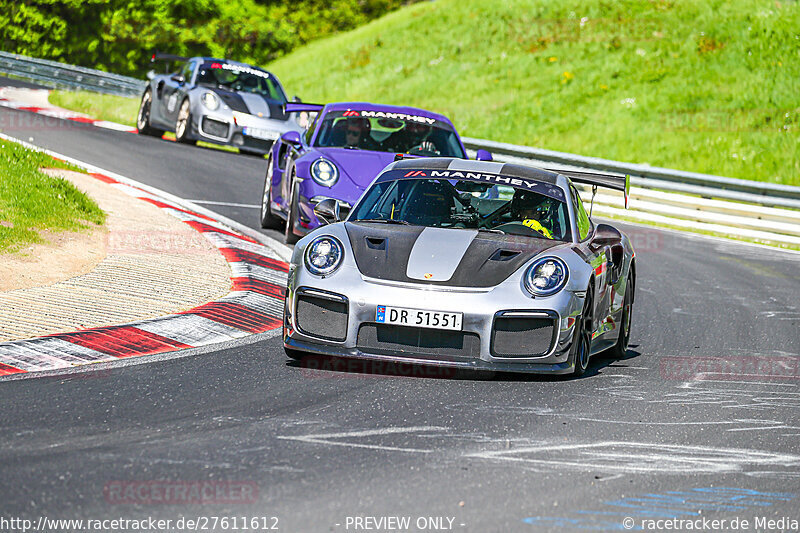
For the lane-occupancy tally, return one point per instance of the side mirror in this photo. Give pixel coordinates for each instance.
(177, 78)
(483, 155)
(327, 211)
(151, 74)
(605, 235)
(291, 137)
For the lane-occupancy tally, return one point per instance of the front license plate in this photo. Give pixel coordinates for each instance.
(403, 316)
(260, 133)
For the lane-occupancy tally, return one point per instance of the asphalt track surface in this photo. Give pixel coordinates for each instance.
(648, 437)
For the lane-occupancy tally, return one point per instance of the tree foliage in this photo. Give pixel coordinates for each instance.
(119, 35)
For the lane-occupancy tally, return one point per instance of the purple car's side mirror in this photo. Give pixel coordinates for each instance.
(291, 137)
(483, 155)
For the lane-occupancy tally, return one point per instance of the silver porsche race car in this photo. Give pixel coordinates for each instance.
(216, 101)
(469, 264)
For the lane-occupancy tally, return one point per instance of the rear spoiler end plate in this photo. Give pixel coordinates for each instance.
(595, 179)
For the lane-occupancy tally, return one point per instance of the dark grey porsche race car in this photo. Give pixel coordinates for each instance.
(217, 101)
(467, 264)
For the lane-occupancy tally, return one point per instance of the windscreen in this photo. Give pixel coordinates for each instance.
(388, 132)
(240, 79)
(537, 210)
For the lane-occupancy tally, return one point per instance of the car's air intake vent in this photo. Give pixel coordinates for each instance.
(522, 336)
(215, 128)
(376, 243)
(504, 255)
(323, 316)
(419, 343)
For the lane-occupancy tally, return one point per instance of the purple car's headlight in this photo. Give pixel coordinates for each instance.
(324, 172)
(324, 255)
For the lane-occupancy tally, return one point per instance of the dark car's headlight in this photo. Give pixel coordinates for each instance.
(210, 100)
(324, 255)
(546, 276)
(324, 172)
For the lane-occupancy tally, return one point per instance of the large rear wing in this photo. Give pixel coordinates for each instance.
(609, 181)
(160, 56)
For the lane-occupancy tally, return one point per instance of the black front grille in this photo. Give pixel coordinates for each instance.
(215, 127)
(522, 337)
(421, 343)
(321, 317)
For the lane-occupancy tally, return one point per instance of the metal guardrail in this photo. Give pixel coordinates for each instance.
(61, 75)
(705, 185)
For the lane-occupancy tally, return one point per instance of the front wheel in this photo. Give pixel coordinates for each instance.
(184, 124)
(582, 343)
(268, 220)
(620, 349)
(143, 117)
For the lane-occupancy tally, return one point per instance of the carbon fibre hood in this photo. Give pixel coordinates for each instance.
(464, 258)
(252, 104)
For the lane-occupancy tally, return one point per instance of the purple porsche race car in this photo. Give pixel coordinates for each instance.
(344, 147)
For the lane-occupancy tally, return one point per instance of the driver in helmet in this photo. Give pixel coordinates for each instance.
(532, 210)
(412, 137)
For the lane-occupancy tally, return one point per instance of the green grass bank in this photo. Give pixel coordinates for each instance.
(706, 86)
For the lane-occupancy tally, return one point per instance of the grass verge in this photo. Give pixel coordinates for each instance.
(31, 201)
(710, 86)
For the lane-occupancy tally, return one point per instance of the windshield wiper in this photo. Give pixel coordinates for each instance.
(382, 221)
(491, 230)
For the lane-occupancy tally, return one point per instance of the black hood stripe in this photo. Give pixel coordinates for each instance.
(382, 252)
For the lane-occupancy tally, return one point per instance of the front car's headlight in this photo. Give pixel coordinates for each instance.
(210, 100)
(324, 255)
(324, 172)
(546, 276)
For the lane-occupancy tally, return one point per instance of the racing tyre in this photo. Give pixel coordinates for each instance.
(621, 347)
(582, 345)
(289, 236)
(143, 118)
(183, 124)
(268, 220)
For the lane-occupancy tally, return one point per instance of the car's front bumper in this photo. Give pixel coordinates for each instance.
(256, 135)
(347, 326)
